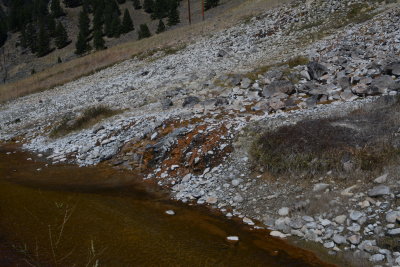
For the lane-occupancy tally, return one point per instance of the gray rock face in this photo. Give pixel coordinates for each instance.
(379, 190)
(280, 86)
(316, 70)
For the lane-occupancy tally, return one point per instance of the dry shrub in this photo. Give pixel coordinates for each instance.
(89, 117)
(367, 138)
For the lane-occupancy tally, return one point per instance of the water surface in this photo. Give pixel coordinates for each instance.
(98, 216)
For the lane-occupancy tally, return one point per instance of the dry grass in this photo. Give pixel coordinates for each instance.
(367, 138)
(88, 118)
(72, 70)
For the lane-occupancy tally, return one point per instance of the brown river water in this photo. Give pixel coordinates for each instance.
(64, 215)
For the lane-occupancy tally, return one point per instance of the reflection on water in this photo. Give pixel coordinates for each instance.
(69, 216)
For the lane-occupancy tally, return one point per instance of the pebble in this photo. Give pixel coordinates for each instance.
(170, 212)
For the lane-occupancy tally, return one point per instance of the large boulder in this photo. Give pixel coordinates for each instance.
(316, 70)
(281, 86)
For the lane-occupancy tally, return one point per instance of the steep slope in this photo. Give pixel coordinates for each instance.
(187, 117)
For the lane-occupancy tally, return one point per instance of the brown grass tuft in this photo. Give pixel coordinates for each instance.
(89, 117)
(367, 138)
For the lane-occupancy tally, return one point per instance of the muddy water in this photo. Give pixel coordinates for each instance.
(70, 216)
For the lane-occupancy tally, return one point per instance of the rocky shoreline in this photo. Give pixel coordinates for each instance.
(188, 119)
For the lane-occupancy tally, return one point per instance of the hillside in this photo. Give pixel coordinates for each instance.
(287, 119)
(20, 62)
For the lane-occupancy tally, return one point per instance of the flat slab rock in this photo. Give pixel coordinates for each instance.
(380, 190)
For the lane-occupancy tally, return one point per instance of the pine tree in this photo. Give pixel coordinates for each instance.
(111, 11)
(72, 3)
(56, 10)
(43, 42)
(144, 31)
(148, 6)
(98, 18)
(116, 26)
(84, 24)
(160, 27)
(210, 4)
(31, 37)
(51, 25)
(173, 15)
(81, 45)
(160, 9)
(61, 36)
(98, 41)
(136, 4)
(127, 24)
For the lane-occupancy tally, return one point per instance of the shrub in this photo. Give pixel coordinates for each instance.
(88, 118)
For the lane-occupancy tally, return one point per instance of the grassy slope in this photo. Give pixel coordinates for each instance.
(72, 70)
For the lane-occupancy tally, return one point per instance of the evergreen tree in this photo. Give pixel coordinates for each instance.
(116, 26)
(98, 41)
(127, 24)
(51, 26)
(136, 4)
(43, 42)
(160, 9)
(148, 6)
(210, 4)
(173, 15)
(56, 10)
(160, 27)
(61, 36)
(98, 18)
(84, 24)
(111, 11)
(82, 45)
(31, 37)
(144, 31)
(72, 3)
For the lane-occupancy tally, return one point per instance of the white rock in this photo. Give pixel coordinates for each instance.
(232, 238)
(248, 221)
(381, 179)
(320, 187)
(170, 212)
(283, 211)
(340, 219)
(277, 234)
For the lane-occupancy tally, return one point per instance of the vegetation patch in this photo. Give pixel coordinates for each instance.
(365, 140)
(88, 118)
